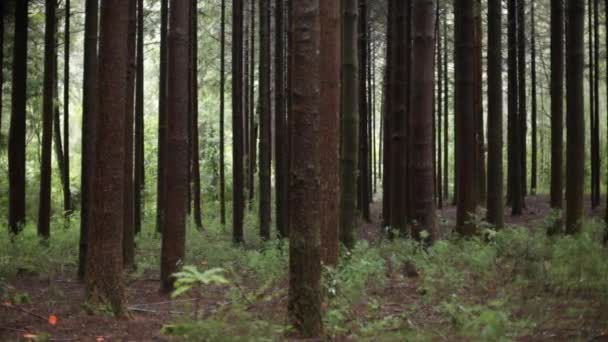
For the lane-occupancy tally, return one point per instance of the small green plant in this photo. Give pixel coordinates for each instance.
(190, 277)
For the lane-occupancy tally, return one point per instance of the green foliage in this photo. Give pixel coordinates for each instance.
(190, 277)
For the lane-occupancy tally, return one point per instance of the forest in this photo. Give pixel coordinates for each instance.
(303, 170)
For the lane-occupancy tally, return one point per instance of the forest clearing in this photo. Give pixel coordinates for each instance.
(303, 170)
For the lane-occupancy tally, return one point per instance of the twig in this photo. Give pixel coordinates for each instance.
(165, 302)
(153, 311)
(16, 308)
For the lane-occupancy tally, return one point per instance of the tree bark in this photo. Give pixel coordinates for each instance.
(522, 93)
(265, 116)
(534, 171)
(161, 185)
(16, 144)
(575, 120)
(466, 115)
(138, 180)
(350, 122)
(90, 106)
(222, 114)
(104, 277)
(495, 205)
(174, 234)
(423, 51)
(237, 122)
(557, 103)
(329, 145)
(304, 299)
(195, 163)
(67, 194)
(363, 177)
(128, 191)
(50, 54)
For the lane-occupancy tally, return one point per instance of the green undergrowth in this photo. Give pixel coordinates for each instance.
(502, 286)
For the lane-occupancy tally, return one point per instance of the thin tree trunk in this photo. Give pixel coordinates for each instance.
(16, 144)
(174, 233)
(265, 115)
(596, 106)
(515, 165)
(67, 195)
(439, 109)
(195, 164)
(222, 114)
(138, 180)
(521, 87)
(104, 272)
(2, 19)
(446, 123)
(363, 182)
(89, 123)
(237, 122)
(557, 103)
(281, 146)
(128, 191)
(495, 205)
(50, 54)
(163, 117)
(575, 119)
(534, 176)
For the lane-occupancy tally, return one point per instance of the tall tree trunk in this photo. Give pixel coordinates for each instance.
(104, 272)
(596, 106)
(439, 109)
(265, 120)
(67, 201)
(363, 182)
(128, 191)
(495, 205)
(465, 93)
(251, 108)
(515, 191)
(534, 171)
(138, 180)
(329, 133)
(90, 106)
(281, 146)
(222, 114)
(387, 111)
(174, 234)
(163, 117)
(557, 103)
(575, 120)
(479, 126)
(16, 144)
(521, 87)
(2, 19)
(399, 106)
(349, 126)
(446, 99)
(50, 54)
(304, 300)
(423, 50)
(194, 135)
(237, 122)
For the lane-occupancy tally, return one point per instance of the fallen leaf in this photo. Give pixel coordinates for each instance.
(7, 303)
(53, 320)
(30, 337)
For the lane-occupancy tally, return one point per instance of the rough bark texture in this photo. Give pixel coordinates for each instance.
(438, 103)
(16, 144)
(161, 185)
(174, 233)
(104, 277)
(521, 102)
(89, 118)
(265, 120)
(495, 205)
(329, 134)
(595, 134)
(237, 122)
(557, 103)
(515, 191)
(128, 191)
(50, 54)
(575, 119)
(534, 166)
(446, 99)
(423, 50)
(304, 299)
(138, 176)
(465, 65)
(398, 85)
(349, 126)
(280, 119)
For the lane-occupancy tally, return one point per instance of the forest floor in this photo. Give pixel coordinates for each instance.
(516, 284)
